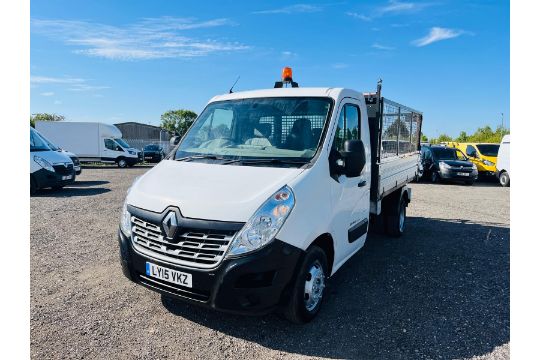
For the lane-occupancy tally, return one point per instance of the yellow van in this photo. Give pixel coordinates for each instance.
(483, 155)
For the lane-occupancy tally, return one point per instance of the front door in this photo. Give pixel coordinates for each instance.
(350, 195)
(111, 150)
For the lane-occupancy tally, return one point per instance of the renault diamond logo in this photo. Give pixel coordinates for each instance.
(170, 224)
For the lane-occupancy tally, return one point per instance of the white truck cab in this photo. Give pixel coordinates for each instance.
(267, 195)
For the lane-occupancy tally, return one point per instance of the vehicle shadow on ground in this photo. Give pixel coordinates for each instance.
(114, 167)
(79, 183)
(72, 190)
(440, 291)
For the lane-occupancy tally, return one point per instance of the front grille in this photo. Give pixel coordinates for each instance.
(75, 161)
(63, 170)
(199, 248)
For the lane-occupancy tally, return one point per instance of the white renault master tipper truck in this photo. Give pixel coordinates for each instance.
(503, 161)
(267, 195)
(91, 141)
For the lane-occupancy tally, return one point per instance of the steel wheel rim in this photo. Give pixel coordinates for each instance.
(122, 163)
(314, 286)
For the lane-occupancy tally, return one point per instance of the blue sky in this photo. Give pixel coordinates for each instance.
(133, 60)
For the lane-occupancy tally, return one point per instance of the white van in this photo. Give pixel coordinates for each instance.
(48, 168)
(91, 141)
(267, 195)
(503, 161)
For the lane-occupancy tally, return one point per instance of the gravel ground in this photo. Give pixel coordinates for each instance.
(439, 292)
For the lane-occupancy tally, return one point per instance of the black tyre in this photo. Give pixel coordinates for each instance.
(122, 163)
(435, 178)
(308, 290)
(396, 216)
(33, 186)
(504, 179)
(469, 182)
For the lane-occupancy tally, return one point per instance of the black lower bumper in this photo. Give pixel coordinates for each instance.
(45, 178)
(253, 284)
(456, 175)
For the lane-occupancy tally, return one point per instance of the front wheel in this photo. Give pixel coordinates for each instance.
(504, 179)
(435, 178)
(33, 186)
(122, 163)
(309, 287)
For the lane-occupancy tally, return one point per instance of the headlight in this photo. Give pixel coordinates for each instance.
(444, 165)
(263, 226)
(474, 167)
(43, 163)
(488, 163)
(125, 221)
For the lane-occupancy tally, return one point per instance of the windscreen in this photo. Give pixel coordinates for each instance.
(259, 128)
(122, 143)
(488, 149)
(37, 143)
(448, 154)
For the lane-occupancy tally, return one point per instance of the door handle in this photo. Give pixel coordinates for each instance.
(362, 183)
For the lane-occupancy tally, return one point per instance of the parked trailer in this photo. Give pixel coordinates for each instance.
(91, 141)
(267, 195)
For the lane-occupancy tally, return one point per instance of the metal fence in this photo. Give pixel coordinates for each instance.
(141, 143)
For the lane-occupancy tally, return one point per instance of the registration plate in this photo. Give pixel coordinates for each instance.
(462, 174)
(67, 177)
(169, 275)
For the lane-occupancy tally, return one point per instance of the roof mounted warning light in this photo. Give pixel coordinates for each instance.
(286, 78)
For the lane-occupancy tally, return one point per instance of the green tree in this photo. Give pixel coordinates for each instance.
(424, 138)
(177, 121)
(45, 117)
(462, 137)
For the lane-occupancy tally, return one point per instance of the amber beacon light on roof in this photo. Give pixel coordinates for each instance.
(286, 78)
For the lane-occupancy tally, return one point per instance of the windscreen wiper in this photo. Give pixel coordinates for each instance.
(266, 161)
(196, 157)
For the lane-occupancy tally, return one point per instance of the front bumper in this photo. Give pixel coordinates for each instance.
(46, 178)
(253, 284)
(457, 174)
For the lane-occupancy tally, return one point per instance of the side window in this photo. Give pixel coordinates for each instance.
(348, 127)
(471, 151)
(110, 144)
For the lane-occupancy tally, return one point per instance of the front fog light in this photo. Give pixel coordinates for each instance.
(263, 226)
(125, 221)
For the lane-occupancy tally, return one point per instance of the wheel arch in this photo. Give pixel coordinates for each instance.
(326, 243)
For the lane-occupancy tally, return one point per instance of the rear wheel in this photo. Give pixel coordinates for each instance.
(308, 288)
(396, 217)
(504, 179)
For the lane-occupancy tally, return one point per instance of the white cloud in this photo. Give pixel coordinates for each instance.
(437, 34)
(358, 16)
(298, 8)
(55, 80)
(69, 83)
(382, 47)
(57, 102)
(288, 55)
(392, 7)
(152, 38)
(397, 7)
(340, 66)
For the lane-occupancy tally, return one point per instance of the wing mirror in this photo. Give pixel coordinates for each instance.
(354, 157)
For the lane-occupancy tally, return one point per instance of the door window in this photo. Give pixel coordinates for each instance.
(348, 127)
(471, 151)
(111, 145)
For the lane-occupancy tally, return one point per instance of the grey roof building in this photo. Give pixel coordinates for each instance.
(134, 130)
